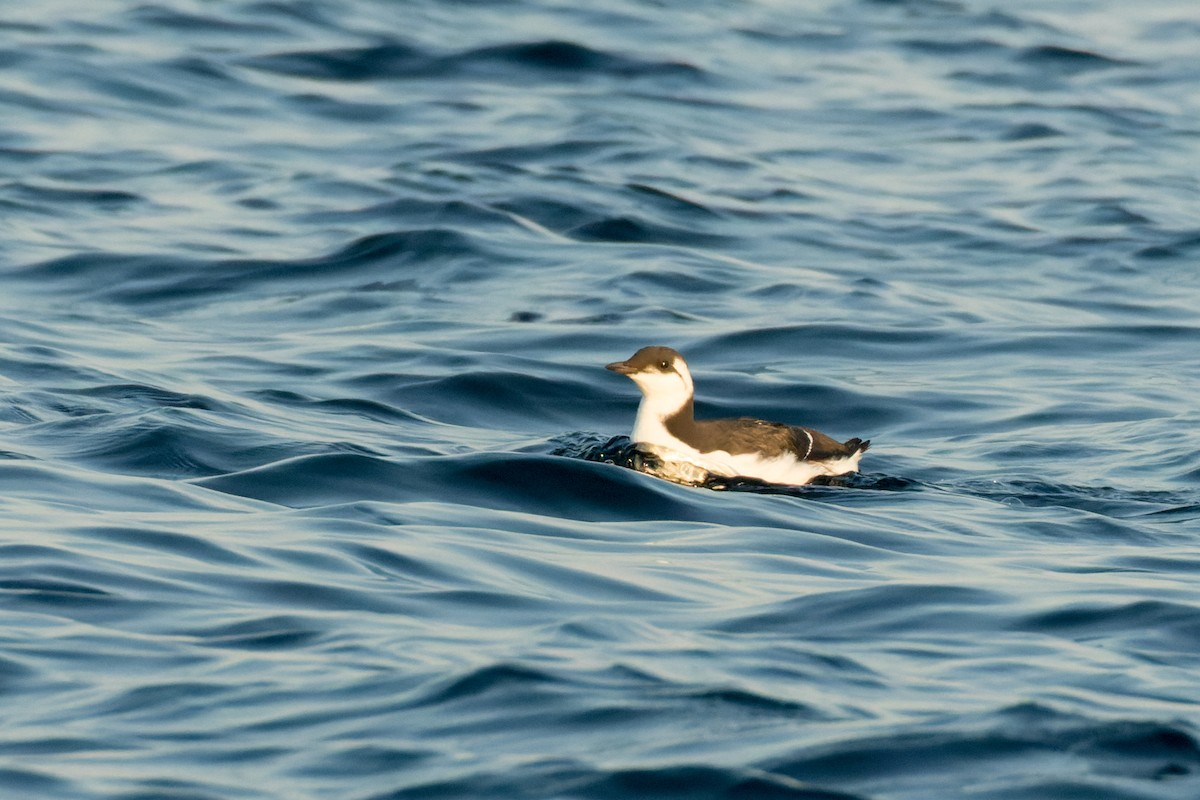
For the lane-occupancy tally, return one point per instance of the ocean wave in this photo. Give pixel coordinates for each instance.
(1078, 755)
(393, 59)
(164, 282)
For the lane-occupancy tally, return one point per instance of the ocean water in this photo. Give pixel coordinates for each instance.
(313, 485)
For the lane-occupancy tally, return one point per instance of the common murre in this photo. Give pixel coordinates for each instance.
(692, 451)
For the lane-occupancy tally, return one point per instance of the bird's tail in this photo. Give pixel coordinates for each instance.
(856, 445)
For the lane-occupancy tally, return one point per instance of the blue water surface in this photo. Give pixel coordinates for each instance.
(313, 485)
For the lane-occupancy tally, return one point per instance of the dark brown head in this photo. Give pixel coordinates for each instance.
(661, 374)
(649, 359)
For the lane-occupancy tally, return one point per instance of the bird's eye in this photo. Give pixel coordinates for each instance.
(664, 365)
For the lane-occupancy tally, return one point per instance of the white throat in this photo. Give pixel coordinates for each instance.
(663, 395)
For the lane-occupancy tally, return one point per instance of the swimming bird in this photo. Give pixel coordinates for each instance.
(692, 451)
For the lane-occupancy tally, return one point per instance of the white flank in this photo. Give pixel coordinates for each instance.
(685, 464)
